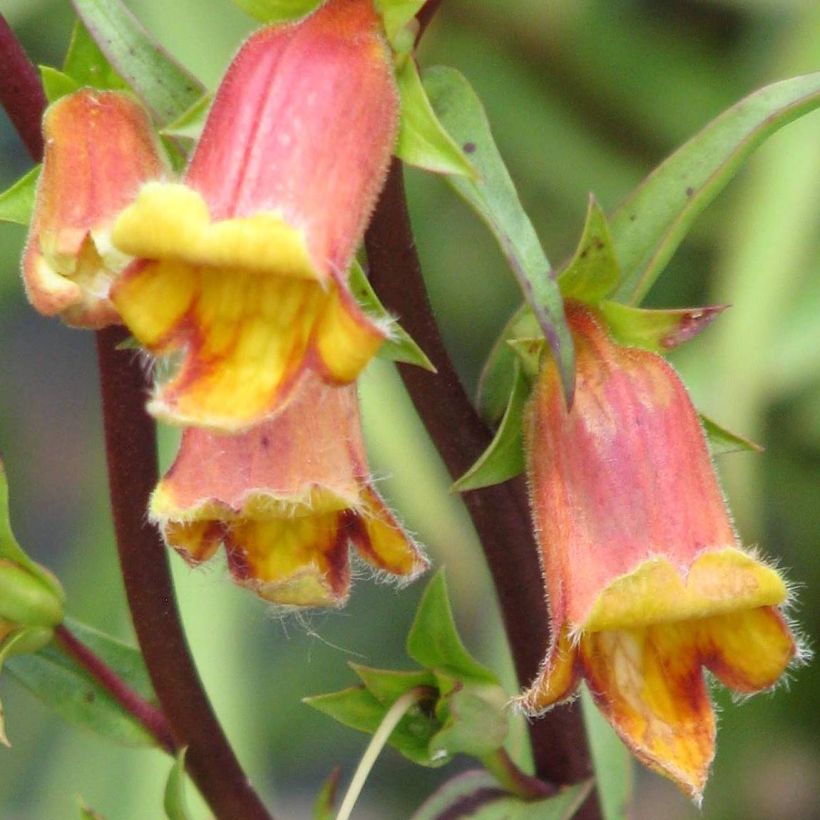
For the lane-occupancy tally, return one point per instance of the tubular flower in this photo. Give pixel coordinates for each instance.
(99, 149)
(243, 268)
(286, 498)
(647, 584)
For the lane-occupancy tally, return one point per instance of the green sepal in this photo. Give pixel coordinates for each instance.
(26, 600)
(65, 687)
(190, 123)
(494, 198)
(56, 83)
(723, 441)
(433, 641)
(504, 458)
(657, 330)
(324, 807)
(165, 87)
(87, 65)
(276, 11)
(400, 345)
(17, 201)
(396, 16)
(650, 224)
(478, 795)
(358, 709)
(174, 802)
(388, 685)
(593, 272)
(423, 140)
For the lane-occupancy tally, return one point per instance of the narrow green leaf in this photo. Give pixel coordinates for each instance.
(400, 345)
(593, 272)
(611, 761)
(87, 65)
(396, 14)
(433, 640)
(722, 441)
(657, 330)
(324, 808)
(359, 710)
(17, 202)
(165, 87)
(56, 84)
(190, 123)
(276, 11)
(650, 224)
(504, 458)
(387, 685)
(174, 803)
(7, 647)
(494, 198)
(423, 140)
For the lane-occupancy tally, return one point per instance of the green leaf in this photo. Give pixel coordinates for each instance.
(504, 458)
(593, 272)
(396, 14)
(423, 140)
(433, 640)
(163, 85)
(656, 330)
(17, 202)
(7, 647)
(56, 84)
(324, 808)
(648, 227)
(87, 813)
(387, 685)
(190, 123)
(360, 710)
(87, 65)
(400, 345)
(722, 441)
(276, 11)
(478, 796)
(174, 803)
(611, 761)
(64, 686)
(494, 198)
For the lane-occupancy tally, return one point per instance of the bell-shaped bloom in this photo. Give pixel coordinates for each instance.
(647, 584)
(100, 148)
(243, 268)
(286, 498)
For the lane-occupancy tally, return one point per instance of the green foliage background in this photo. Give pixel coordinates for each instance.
(584, 95)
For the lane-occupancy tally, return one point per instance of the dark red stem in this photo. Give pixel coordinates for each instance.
(130, 443)
(147, 714)
(21, 92)
(500, 513)
(426, 14)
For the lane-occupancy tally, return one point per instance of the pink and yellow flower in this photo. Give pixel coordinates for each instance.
(243, 268)
(286, 499)
(647, 584)
(100, 148)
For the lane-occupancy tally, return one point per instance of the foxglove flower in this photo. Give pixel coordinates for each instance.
(100, 148)
(647, 583)
(243, 268)
(286, 498)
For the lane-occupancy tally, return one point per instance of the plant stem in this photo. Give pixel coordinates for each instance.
(147, 714)
(380, 737)
(519, 783)
(426, 15)
(500, 513)
(132, 469)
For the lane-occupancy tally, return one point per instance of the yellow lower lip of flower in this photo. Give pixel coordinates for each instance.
(717, 582)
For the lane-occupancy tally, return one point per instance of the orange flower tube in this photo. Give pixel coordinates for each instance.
(99, 149)
(243, 268)
(286, 498)
(647, 584)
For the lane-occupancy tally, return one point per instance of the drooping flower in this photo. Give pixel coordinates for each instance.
(647, 583)
(99, 149)
(286, 498)
(243, 268)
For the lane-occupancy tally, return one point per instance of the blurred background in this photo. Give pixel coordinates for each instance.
(583, 95)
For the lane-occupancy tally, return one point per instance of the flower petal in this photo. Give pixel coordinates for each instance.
(557, 679)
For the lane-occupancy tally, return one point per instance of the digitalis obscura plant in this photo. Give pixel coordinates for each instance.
(243, 255)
